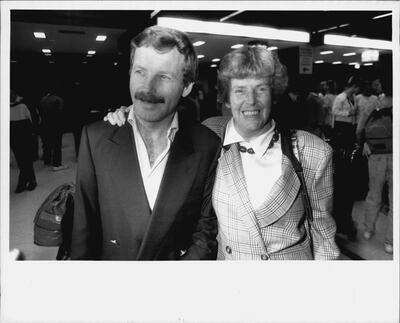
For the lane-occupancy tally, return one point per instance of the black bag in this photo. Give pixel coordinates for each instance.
(359, 174)
(54, 217)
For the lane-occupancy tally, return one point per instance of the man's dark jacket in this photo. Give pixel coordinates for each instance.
(112, 218)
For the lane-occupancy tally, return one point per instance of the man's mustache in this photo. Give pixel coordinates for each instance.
(149, 97)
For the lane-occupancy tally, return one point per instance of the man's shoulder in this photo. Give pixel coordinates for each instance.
(100, 129)
(203, 137)
(217, 124)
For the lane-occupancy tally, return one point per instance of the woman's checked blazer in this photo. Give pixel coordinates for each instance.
(277, 230)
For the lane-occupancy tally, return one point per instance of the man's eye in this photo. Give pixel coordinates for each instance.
(138, 72)
(165, 77)
(238, 91)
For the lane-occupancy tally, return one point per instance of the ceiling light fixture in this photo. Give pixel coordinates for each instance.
(327, 29)
(237, 46)
(213, 65)
(343, 25)
(368, 64)
(46, 50)
(353, 63)
(318, 62)
(350, 54)
(382, 16)
(101, 37)
(336, 62)
(154, 13)
(215, 60)
(91, 52)
(339, 40)
(231, 15)
(198, 43)
(326, 52)
(39, 34)
(200, 56)
(219, 28)
(272, 48)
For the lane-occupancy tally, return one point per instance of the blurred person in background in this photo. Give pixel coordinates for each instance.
(51, 112)
(375, 133)
(21, 142)
(328, 95)
(344, 111)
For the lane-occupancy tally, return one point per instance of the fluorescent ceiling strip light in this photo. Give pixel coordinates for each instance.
(199, 43)
(326, 52)
(101, 37)
(339, 40)
(344, 25)
(353, 63)
(46, 50)
(215, 60)
(349, 54)
(39, 34)
(337, 62)
(219, 28)
(326, 29)
(382, 16)
(91, 52)
(200, 56)
(368, 64)
(154, 13)
(318, 62)
(213, 65)
(272, 48)
(237, 46)
(231, 15)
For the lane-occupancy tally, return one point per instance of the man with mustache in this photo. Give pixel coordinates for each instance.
(143, 191)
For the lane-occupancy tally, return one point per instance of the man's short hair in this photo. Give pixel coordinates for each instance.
(251, 61)
(164, 39)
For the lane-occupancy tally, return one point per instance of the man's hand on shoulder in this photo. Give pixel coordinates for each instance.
(118, 116)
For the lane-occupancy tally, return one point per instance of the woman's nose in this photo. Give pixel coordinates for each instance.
(251, 97)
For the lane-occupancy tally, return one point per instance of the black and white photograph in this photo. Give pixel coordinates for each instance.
(199, 161)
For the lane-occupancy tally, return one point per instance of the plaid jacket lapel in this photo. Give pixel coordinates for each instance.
(231, 167)
(281, 197)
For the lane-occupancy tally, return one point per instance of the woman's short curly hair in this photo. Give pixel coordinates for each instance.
(251, 61)
(164, 39)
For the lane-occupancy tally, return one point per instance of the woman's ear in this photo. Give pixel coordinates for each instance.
(187, 89)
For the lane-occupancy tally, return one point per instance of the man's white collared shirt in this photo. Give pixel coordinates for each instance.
(152, 175)
(261, 169)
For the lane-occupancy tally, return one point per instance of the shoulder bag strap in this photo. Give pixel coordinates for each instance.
(287, 150)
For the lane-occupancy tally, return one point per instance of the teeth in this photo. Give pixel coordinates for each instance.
(250, 113)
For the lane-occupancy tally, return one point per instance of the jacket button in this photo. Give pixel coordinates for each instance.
(228, 249)
(264, 257)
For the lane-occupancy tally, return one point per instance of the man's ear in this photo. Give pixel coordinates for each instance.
(187, 89)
